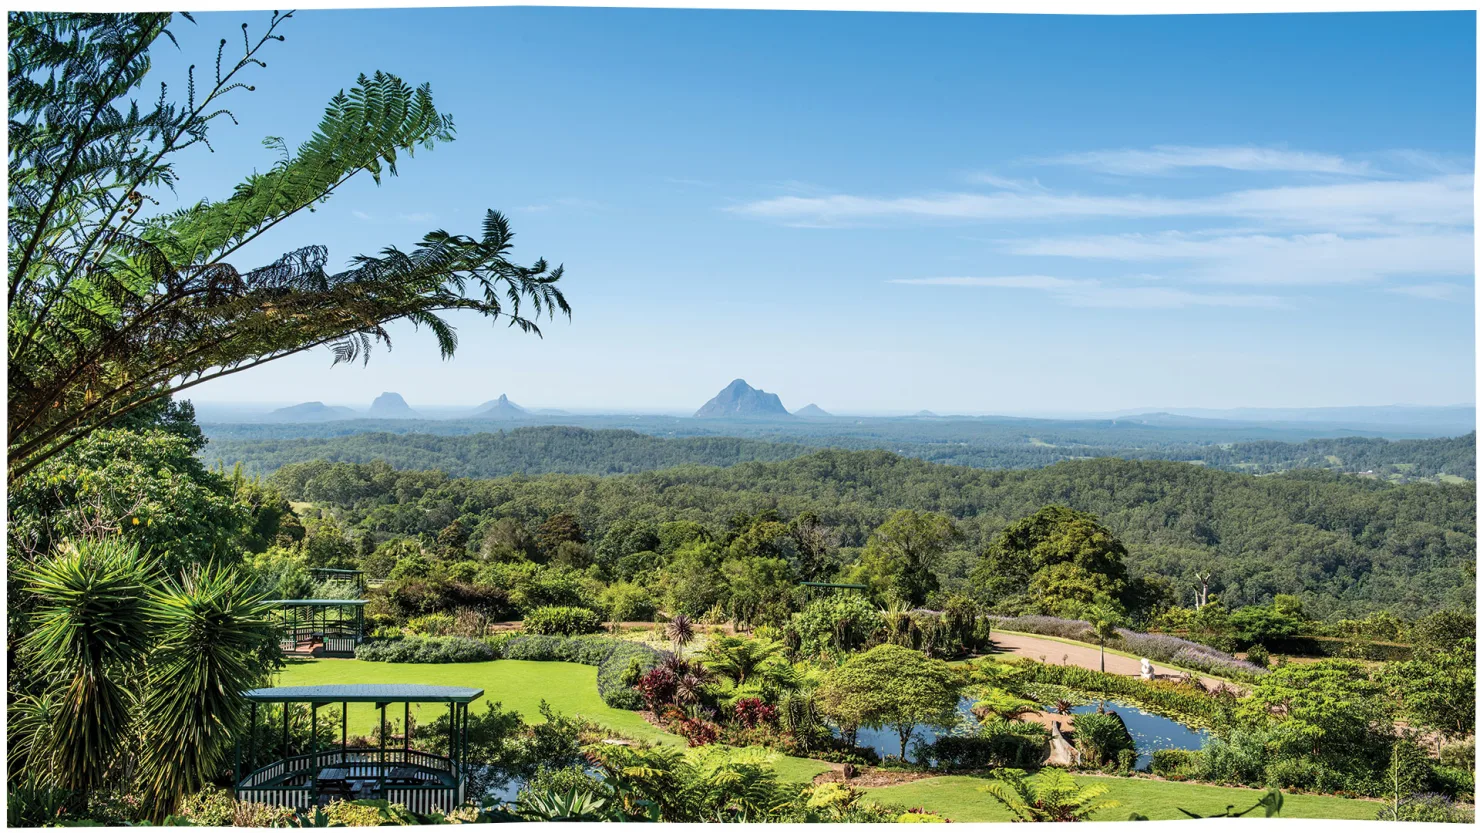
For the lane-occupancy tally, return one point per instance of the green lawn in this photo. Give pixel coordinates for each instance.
(956, 797)
(518, 684)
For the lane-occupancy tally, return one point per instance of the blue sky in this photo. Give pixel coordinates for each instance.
(966, 213)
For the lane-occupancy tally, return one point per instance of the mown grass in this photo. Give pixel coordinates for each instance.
(958, 798)
(517, 684)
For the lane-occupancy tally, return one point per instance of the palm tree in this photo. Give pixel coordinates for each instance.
(680, 632)
(736, 658)
(1052, 795)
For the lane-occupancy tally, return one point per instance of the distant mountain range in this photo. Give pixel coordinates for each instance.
(741, 401)
(311, 412)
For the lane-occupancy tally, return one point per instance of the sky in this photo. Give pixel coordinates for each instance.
(889, 212)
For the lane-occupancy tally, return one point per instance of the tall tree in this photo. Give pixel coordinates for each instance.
(112, 308)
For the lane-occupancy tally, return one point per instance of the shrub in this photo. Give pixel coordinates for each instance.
(1238, 758)
(751, 712)
(564, 621)
(1427, 807)
(1258, 655)
(628, 602)
(1452, 781)
(997, 743)
(1177, 764)
(433, 624)
(1460, 754)
(697, 732)
(432, 649)
(1100, 738)
(211, 807)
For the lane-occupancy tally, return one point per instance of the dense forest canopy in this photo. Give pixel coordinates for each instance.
(1346, 545)
(574, 450)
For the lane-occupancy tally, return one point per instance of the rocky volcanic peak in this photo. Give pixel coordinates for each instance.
(812, 411)
(500, 408)
(741, 401)
(390, 405)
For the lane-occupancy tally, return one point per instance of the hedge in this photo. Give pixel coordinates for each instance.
(426, 649)
(565, 621)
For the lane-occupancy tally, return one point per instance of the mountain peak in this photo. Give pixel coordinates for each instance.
(500, 408)
(741, 401)
(811, 411)
(390, 405)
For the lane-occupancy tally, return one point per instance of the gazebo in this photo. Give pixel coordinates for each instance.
(422, 781)
(308, 624)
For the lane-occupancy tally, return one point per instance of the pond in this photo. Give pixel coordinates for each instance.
(1150, 731)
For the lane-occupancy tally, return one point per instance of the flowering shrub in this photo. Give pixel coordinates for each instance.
(1047, 626)
(1206, 659)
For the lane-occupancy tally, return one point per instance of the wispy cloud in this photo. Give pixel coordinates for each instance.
(1003, 182)
(1270, 259)
(360, 215)
(1355, 206)
(1429, 291)
(1087, 292)
(1166, 159)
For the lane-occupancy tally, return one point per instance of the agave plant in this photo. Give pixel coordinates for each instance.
(573, 805)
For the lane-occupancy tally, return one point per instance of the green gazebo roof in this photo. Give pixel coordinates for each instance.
(316, 602)
(364, 693)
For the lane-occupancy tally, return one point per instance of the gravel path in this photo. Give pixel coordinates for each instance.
(1053, 652)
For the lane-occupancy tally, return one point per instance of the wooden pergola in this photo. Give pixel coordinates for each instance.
(336, 625)
(421, 780)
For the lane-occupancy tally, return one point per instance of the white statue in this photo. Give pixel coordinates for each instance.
(1146, 671)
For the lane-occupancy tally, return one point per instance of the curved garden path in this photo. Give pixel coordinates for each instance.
(1056, 652)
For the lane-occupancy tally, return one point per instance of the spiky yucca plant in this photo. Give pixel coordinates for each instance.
(90, 639)
(210, 628)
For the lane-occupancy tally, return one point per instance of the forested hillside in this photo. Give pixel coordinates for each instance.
(571, 450)
(542, 450)
(1348, 545)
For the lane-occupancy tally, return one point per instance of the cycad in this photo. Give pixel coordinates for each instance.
(110, 310)
(1052, 795)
